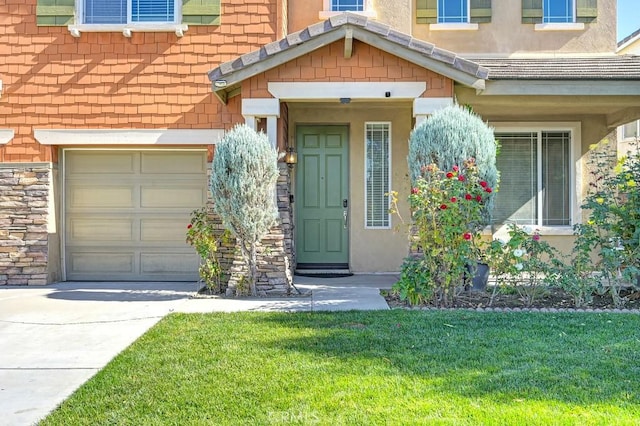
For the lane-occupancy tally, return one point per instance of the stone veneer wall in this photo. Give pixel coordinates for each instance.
(276, 259)
(24, 202)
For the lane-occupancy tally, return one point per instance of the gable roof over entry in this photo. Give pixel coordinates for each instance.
(348, 26)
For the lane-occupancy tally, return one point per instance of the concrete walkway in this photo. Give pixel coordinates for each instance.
(54, 338)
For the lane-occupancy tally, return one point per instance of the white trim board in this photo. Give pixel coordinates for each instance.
(5, 136)
(352, 90)
(119, 137)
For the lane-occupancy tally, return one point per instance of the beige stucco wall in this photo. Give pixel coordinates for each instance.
(396, 13)
(631, 48)
(371, 250)
(505, 35)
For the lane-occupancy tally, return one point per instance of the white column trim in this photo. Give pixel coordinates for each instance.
(250, 121)
(261, 107)
(128, 136)
(353, 90)
(272, 130)
(5, 136)
(427, 106)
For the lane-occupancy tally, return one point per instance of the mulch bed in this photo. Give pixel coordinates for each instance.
(550, 299)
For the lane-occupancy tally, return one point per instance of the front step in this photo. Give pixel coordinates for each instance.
(323, 273)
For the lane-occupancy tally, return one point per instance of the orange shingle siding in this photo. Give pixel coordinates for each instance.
(367, 63)
(105, 80)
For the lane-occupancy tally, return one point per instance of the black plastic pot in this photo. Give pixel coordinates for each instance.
(480, 279)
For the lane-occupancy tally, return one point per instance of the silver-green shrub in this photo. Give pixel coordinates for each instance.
(243, 181)
(448, 138)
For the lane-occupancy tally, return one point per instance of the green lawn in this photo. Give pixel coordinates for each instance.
(388, 367)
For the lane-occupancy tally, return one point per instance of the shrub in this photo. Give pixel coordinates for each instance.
(612, 231)
(448, 138)
(415, 284)
(206, 239)
(243, 179)
(446, 210)
(523, 261)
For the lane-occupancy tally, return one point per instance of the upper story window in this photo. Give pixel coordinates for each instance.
(453, 11)
(347, 5)
(558, 11)
(453, 14)
(108, 12)
(336, 7)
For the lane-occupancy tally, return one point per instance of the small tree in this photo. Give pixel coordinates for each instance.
(449, 137)
(243, 179)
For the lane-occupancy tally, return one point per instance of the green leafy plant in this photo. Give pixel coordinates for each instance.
(415, 285)
(524, 261)
(448, 138)
(243, 181)
(607, 245)
(447, 215)
(204, 236)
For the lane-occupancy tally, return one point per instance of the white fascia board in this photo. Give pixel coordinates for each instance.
(121, 137)
(562, 88)
(354, 90)
(5, 136)
(427, 106)
(260, 107)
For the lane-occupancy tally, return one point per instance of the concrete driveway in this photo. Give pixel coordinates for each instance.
(54, 338)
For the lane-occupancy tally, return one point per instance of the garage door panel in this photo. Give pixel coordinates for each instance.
(158, 230)
(168, 263)
(183, 163)
(115, 197)
(107, 162)
(127, 214)
(172, 196)
(103, 262)
(90, 229)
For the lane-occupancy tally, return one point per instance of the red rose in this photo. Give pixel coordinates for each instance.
(449, 175)
(478, 198)
(415, 190)
(461, 178)
(536, 237)
(489, 190)
(454, 199)
(189, 226)
(467, 236)
(483, 184)
(468, 197)
(443, 206)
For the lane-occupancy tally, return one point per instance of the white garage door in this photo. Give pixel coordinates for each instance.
(126, 214)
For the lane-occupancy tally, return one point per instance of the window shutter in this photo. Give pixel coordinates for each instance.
(55, 12)
(480, 11)
(427, 11)
(586, 11)
(201, 12)
(531, 11)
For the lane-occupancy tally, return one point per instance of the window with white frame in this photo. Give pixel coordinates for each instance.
(535, 178)
(110, 12)
(377, 174)
(558, 11)
(347, 5)
(453, 11)
(631, 130)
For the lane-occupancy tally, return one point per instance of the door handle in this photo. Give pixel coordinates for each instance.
(345, 215)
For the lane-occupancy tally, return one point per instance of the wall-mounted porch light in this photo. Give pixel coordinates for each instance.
(291, 158)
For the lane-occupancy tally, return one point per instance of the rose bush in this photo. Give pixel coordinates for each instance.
(447, 212)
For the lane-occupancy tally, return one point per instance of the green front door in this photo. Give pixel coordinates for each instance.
(322, 198)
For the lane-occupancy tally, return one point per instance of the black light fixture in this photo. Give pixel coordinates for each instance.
(291, 158)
